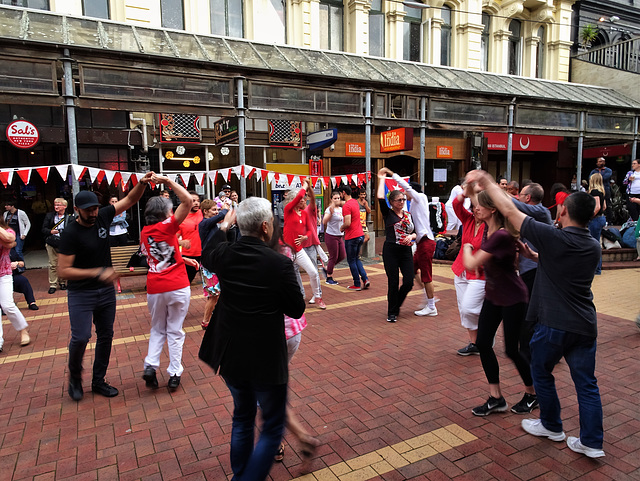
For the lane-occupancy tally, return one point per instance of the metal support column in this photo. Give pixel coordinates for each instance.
(510, 140)
(368, 121)
(580, 146)
(634, 146)
(70, 107)
(423, 132)
(241, 134)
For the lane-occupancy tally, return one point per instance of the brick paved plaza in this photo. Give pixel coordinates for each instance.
(387, 401)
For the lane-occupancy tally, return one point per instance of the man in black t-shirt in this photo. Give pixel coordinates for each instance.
(562, 306)
(85, 261)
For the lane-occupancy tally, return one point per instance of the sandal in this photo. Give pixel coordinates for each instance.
(279, 454)
(309, 446)
(204, 325)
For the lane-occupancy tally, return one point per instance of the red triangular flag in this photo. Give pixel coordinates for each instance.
(263, 173)
(100, 177)
(24, 175)
(314, 181)
(290, 178)
(4, 177)
(43, 172)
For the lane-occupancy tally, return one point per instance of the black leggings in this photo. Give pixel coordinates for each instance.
(397, 257)
(490, 318)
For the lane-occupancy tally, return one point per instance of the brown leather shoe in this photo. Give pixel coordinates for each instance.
(24, 338)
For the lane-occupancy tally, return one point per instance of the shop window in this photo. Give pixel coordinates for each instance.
(445, 36)
(227, 17)
(376, 29)
(96, 8)
(37, 4)
(381, 106)
(172, 12)
(546, 118)
(515, 47)
(540, 54)
(484, 42)
(331, 15)
(411, 34)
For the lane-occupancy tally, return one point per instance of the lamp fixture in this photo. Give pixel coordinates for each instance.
(186, 163)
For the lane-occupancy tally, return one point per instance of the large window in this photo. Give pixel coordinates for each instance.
(411, 34)
(172, 12)
(227, 17)
(376, 29)
(331, 14)
(540, 54)
(96, 8)
(485, 42)
(445, 36)
(39, 4)
(515, 47)
(276, 19)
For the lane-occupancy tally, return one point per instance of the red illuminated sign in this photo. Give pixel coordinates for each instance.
(22, 134)
(523, 143)
(396, 140)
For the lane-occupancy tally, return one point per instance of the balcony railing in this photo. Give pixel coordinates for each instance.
(623, 55)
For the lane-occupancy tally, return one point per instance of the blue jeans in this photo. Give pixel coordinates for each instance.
(250, 463)
(19, 246)
(548, 346)
(595, 229)
(352, 248)
(85, 306)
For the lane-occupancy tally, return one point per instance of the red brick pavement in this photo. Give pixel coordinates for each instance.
(357, 382)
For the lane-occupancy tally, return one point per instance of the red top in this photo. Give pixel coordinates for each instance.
(312, 222)
(295, 225)
(468, 226)
(352, 208)
(167, 271)
(189, 231)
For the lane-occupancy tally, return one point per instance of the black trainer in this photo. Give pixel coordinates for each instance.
(468, 350)
(150, 378)
(391, 318)
(75, 389)
(104, 389)
(527, 404)
(174, 382)
(492, 405)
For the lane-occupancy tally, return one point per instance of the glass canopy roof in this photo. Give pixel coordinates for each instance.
(45, 27)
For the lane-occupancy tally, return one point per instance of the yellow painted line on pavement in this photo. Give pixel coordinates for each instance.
(391, 458)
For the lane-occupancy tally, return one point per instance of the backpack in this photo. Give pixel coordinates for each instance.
(437, 217)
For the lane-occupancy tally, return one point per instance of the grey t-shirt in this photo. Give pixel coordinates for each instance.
(562, 297)
(541, 214)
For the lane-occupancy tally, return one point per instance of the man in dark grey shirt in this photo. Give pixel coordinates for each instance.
(562, 305)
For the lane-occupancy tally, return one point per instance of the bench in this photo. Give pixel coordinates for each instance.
(120, 256)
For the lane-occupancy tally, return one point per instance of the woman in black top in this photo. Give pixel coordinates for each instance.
(396, 252)
(596, 189)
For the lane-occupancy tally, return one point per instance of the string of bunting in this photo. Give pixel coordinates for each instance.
(121, 179)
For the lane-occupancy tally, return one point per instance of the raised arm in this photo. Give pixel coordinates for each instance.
(134, 194)
(186, 201)
(503, 202)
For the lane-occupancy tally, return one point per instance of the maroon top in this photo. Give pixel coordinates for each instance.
(504, 286)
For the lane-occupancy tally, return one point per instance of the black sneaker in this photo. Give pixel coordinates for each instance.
(492, 405)
(51, 290)
(150, 378)
(469, 350)
(527, 404)
(391, 318)
(75, 389)
(174, 382)
(104, 389)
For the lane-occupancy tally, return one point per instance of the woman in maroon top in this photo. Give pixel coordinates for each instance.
(505, 301)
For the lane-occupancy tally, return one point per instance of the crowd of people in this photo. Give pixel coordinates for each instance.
(517, 267)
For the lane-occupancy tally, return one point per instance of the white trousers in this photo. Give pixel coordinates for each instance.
(470, 295)
(168, 310)
(9, 307)
(302, 260)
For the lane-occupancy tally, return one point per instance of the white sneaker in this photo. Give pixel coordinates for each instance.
(575, 445)
(427, 311)
(535, 427)
(312, 300)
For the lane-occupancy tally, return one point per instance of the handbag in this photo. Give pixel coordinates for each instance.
(138, 259)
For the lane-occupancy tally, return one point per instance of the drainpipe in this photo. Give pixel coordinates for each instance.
(510, 139)
(241, 133)
(145, 140)
(580, 146)
(70, 107)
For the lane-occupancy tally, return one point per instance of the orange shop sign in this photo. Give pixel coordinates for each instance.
(444, 152)
(354, 149)
(396, 140)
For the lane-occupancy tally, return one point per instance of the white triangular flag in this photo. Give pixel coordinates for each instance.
(212, 176)
(225, 174)
(62, 170)
(199, 178)
(93, 173)
(77, 171)
(185, 179)
(109, 174)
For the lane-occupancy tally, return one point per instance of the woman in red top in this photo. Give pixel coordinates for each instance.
(168, 286)
(469, 284)
(295, 232)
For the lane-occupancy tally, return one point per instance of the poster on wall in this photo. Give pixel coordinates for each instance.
(183, 128)
(285, 133)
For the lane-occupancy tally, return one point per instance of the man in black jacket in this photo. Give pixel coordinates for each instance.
(54, 223)
(245, 342)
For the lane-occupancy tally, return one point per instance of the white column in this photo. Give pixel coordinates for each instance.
(357, 27)
(395, 35)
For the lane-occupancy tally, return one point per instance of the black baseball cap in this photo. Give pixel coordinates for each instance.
(226, 187)
(86, 200)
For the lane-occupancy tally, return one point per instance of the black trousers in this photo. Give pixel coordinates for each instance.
(397, 258)
(633, 208)
(21, 284)
(490, 318)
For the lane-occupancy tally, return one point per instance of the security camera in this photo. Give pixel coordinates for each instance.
(333, 147)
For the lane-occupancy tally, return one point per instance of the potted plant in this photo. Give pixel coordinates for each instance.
(588, 34)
